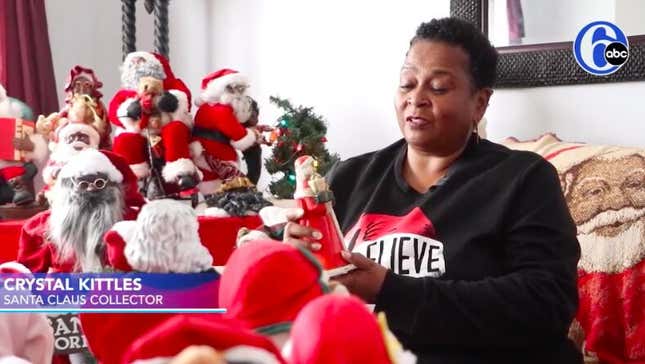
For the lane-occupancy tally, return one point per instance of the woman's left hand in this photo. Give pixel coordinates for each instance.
(366, 280)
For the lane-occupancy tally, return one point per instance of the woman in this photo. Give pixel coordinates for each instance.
(467, 246)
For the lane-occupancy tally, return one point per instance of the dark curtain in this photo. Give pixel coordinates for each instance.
(26, 68)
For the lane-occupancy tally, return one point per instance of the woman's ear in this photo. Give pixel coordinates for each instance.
(482, 96)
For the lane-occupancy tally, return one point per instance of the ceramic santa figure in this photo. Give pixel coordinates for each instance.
(163, 239)
(169, 140)
(218, 131)
(341, 330)
(92, 192)
(315, 198)
(70, 139)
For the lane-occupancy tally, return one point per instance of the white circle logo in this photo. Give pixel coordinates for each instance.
(601, 48)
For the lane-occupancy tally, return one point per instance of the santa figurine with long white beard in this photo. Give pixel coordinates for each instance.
(93, 191)
(218, 131)
(170, 138)
(605, 190)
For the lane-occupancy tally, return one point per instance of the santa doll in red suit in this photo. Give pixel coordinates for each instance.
(170, 139)
(315, 198)
(93, 191)
(218, 131)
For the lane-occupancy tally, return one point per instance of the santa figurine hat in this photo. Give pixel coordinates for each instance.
(80, 71)
(163, 239)
(168, 339)
(92, 161)
(24, 337)
(214, 85)
(266, 283)
(341, 330)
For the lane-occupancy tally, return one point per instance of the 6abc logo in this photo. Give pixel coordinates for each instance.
(601, 48)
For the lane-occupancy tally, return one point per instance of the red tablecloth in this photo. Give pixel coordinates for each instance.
(217, 234)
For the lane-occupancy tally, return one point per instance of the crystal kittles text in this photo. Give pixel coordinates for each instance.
(66, 284)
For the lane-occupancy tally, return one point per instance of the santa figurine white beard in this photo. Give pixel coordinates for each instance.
(79, 220)
(240, 103)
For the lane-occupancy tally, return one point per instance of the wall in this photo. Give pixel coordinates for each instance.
(89, 33)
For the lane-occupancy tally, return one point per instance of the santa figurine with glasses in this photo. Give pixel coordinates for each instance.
(219, 133)
(93, 191)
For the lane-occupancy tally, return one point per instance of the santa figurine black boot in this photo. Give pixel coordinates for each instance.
(23, 185)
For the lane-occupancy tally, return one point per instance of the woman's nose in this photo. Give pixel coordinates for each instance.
(417, 99)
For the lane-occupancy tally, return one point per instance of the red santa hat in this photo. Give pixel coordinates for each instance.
(214, 85)
(80, 71)
(169, 338)
(265, 284)
(66, 128)
(163, 239)
(340, 329)
(92, 161)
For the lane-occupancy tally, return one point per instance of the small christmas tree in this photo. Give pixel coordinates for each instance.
(299, 131)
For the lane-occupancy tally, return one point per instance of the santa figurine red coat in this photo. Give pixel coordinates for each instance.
(172, 139)
(315, 198)
(218, 131)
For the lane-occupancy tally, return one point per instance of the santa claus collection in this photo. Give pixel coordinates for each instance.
(126, 189)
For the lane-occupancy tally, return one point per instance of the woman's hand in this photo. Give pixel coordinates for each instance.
(366, 280)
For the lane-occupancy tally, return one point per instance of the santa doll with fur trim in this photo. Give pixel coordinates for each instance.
(169, 139)
(93, 191)
(219, 131)
(69, 140)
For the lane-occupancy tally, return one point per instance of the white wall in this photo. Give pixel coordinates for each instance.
(89, 33)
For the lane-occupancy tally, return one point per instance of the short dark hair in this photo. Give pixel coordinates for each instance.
(455, 31)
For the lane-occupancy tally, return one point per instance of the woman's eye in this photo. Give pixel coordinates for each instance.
(405, 86)
(439, 90)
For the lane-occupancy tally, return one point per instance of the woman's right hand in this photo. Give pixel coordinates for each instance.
(275, 218)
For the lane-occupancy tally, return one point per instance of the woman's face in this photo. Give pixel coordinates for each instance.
(436, 103)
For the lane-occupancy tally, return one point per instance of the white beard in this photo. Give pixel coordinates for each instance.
(64, 152)
(78, 222)
(612, 254)
(241, 105)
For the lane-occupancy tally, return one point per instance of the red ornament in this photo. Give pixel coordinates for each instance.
(323, 139)
(280, 143)
(299, 148)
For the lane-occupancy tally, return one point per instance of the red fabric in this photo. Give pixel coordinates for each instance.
(323, 329)
(119, 97)
(115, 251)
(217, 234)
(248, 288)
(175, 137)
(222, 118)
(612, 314)
(26, 68)
(131, 146)
(322, 218)
(172, 336)
(8, 173)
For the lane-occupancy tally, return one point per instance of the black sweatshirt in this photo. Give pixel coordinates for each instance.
(482, 267)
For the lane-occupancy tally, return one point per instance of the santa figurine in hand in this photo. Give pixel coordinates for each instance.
(315, 198)
(131, 108)
(219, 131)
